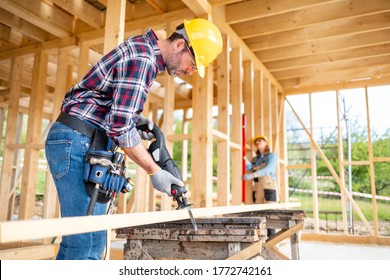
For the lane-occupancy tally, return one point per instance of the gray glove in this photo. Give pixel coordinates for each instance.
(144, 121)
(162, 181)
(248, 176)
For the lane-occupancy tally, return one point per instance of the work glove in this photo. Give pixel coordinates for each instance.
(247, 176)
(163, 180)
(144, 121)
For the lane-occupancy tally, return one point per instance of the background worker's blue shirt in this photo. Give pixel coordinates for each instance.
(270, 167)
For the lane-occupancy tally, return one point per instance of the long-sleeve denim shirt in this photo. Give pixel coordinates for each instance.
(269, 168)
(112, 94)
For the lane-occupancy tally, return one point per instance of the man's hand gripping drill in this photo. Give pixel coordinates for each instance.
(161, 156)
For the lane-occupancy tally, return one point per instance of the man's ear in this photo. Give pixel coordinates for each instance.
(179, 45)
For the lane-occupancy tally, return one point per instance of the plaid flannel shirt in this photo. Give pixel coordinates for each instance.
(112, 94)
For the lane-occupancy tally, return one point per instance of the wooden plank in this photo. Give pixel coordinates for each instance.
(237, 42)
(38, 252)
(31, 229)
(340, 150)
(372, 173)
(283, 235)
(30, 170)
(328, 46)
(115, 24)
(309, 16)
(223, 148)
(248, 252)
(13, 110)
(313, 169)
(250, 10)
(202, 140)
(48, 17)
(248, 100)
(316, 32)
(236, 101)
(350, 239)
(84, 11)
(167, 127)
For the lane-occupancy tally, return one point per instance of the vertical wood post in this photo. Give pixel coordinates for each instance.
(341, 167)
(248, 98)
(313, 162)
(223, 147)
(202, 140)
(10, 137)
(236, 100)
(31, 156)
(372, 171)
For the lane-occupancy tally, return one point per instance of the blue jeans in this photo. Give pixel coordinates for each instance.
(65, 151)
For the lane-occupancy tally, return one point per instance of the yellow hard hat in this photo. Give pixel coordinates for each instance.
(206, 41)
(260, 137)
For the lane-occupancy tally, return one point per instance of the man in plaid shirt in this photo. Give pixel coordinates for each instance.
(110, 98)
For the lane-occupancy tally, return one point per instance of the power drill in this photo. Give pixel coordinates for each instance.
(161, 156)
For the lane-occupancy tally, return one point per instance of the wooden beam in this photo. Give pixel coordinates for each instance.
(237, 42)
(340, 147)
(83, 11)
(236, 119)
(250, 10)
(199, 7)
(328, 45)
(40, 13)
(329, 57)
(350, 239)
(372, 171)
(249, 252)
(51, 45)
(28, 187)
(10, 136)
(295, 88)
(335, 10)
(307, 71)
(326, 30)
(160, 5)
(115, 21)
(223, 148)
(23, 26)
(168, 124)
(36, 229)
(248, 100)
(202, 140)
(38, 252)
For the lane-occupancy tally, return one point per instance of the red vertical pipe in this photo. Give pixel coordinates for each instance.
(243, 156)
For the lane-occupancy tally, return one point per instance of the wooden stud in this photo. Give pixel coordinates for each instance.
(13, 109)
(202, 140)
(248, 97)
(30, 170)
(372, 170)
(341, 166)
(313, 162)
(167, 128)
(115, 24)
(236, 100)
(223, 147)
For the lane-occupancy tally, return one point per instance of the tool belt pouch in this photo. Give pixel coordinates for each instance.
(271, 190)
(97, 173)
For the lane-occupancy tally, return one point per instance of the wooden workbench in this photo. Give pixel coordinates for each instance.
(216, 239)
(288, 224)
